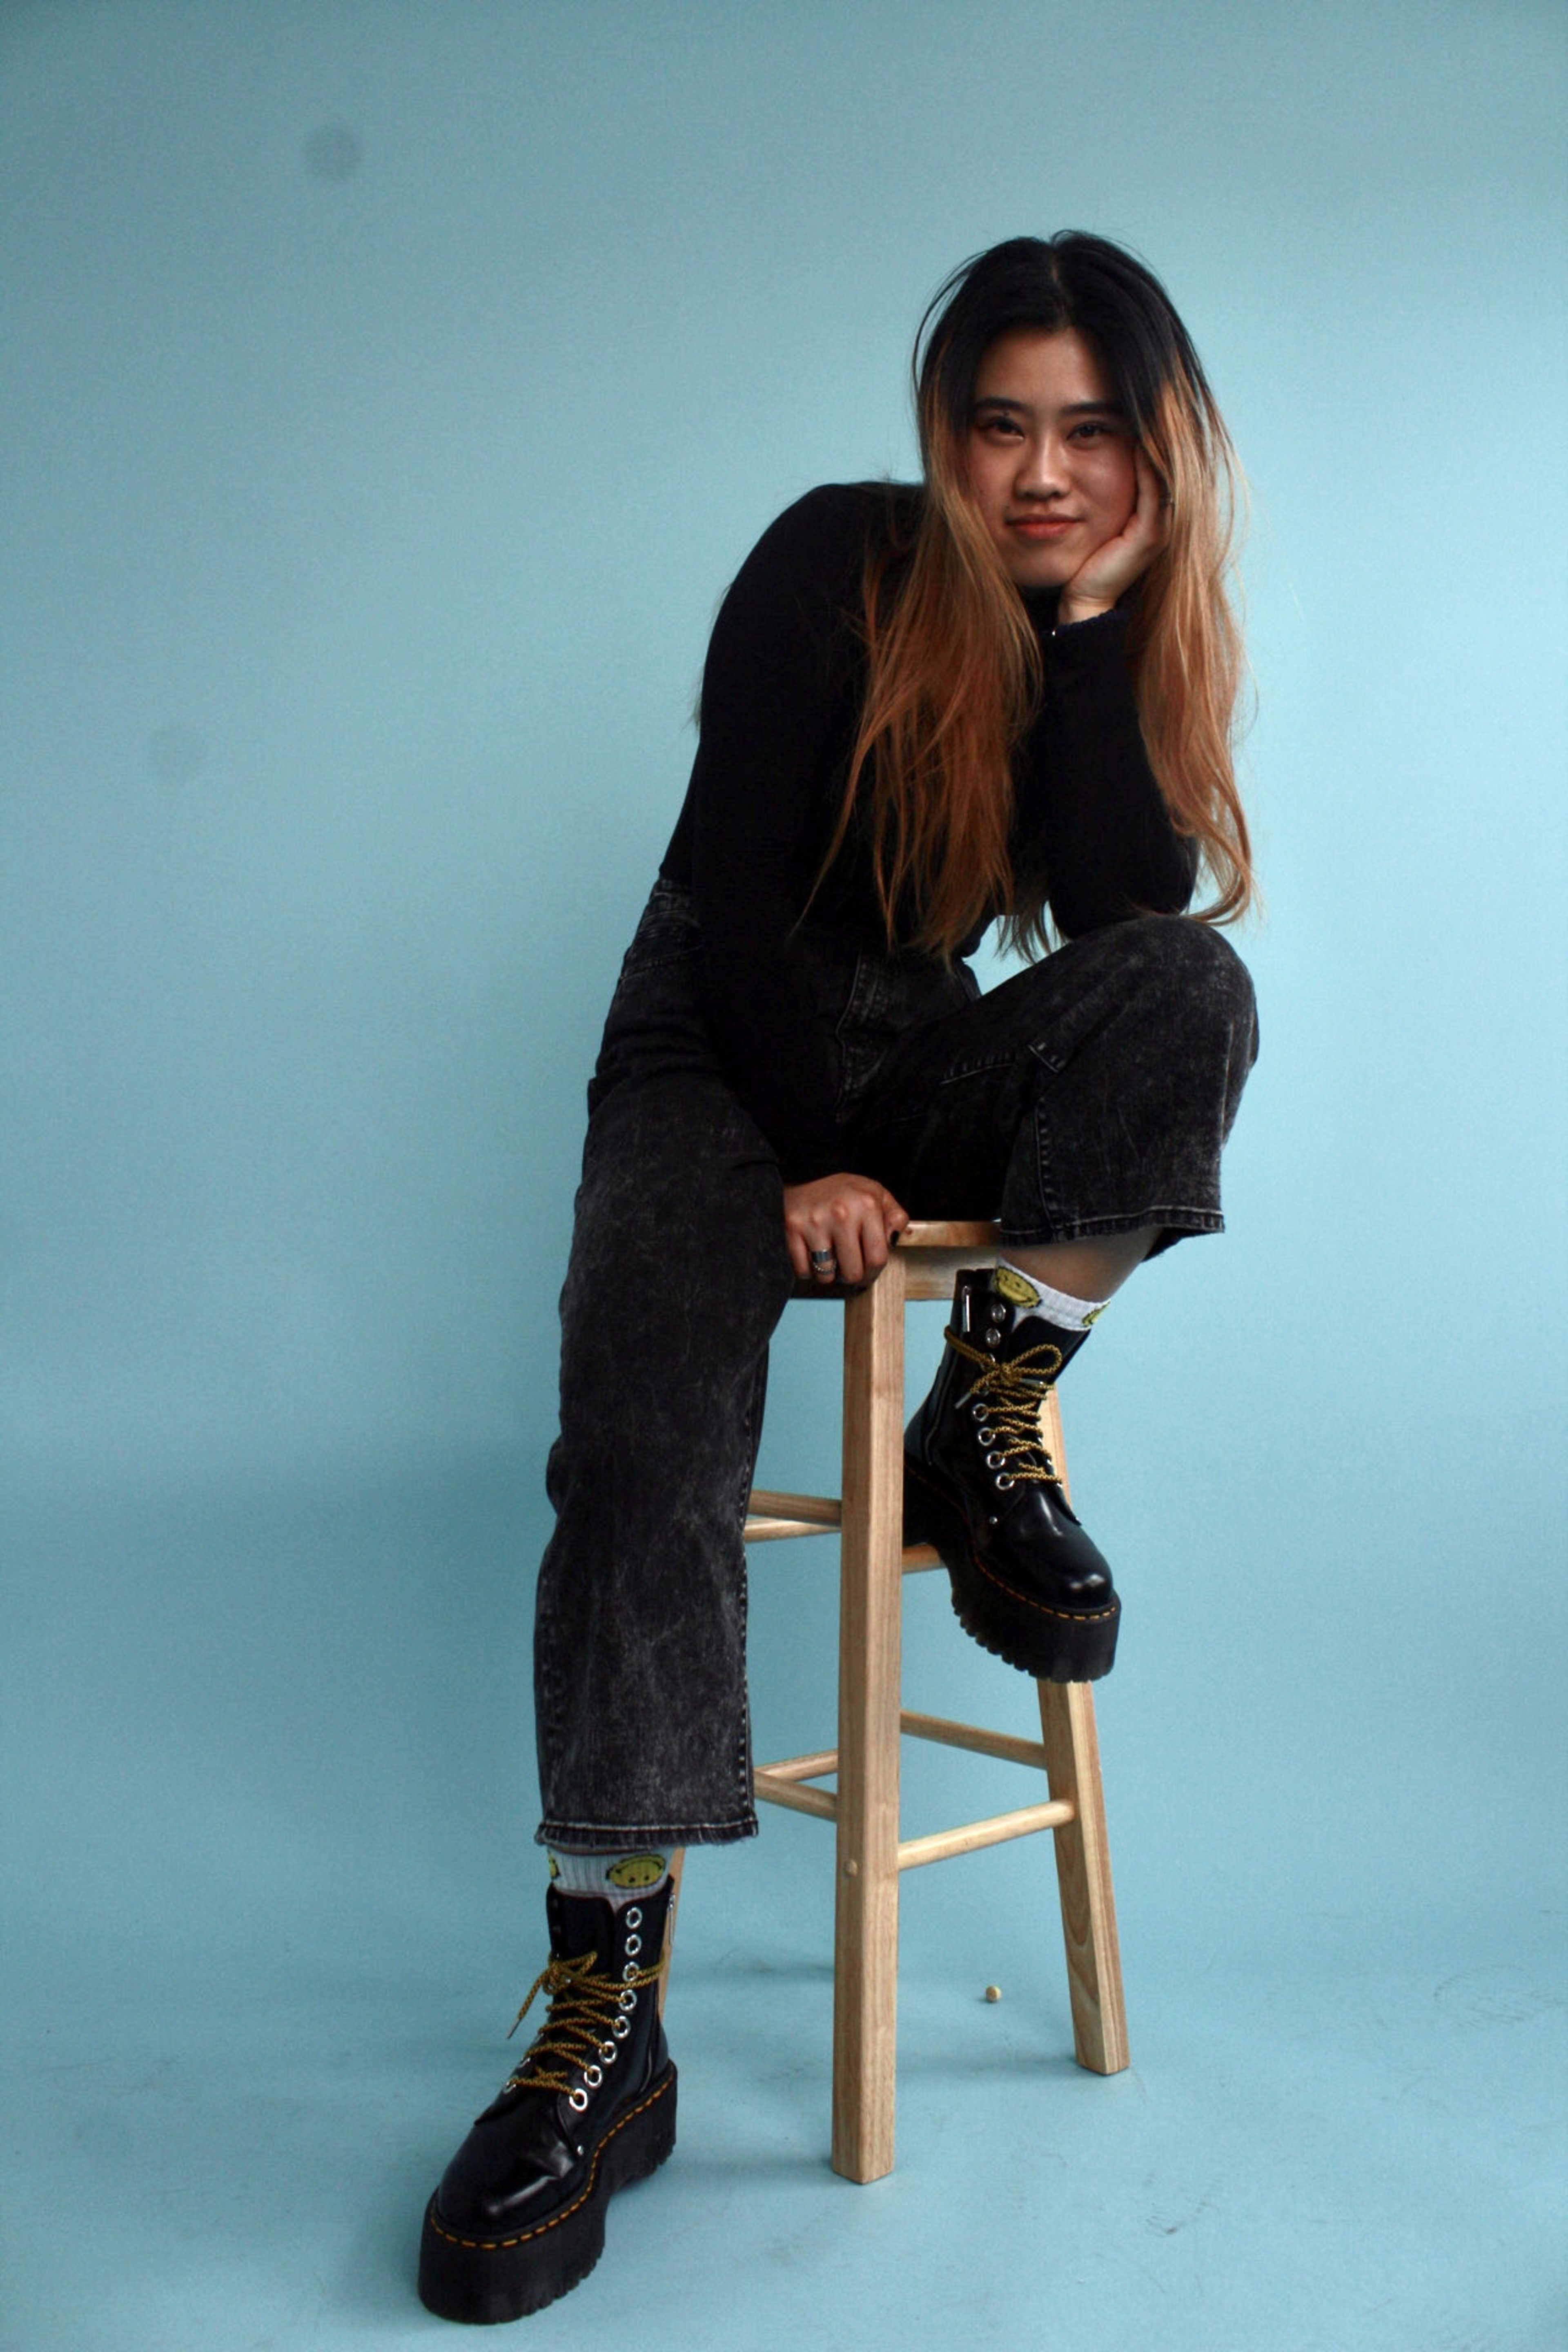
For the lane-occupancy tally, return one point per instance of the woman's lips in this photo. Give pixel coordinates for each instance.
(1041, 526)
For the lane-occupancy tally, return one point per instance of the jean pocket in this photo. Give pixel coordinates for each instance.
(890, 996)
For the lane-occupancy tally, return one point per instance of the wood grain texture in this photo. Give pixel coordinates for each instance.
(770, 1513)
(677, 1866)
(1051, 1430)
(940, 1845)
(796, 1797)
(1083, 1878)
(930, 1254)
(866, 1939)
(771, 1517)
(973, 1736)
(804, 1768)
(928, 1233)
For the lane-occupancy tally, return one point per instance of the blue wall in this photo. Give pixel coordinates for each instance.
(389, 392)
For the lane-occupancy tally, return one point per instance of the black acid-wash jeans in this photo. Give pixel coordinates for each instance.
(1090, 1094)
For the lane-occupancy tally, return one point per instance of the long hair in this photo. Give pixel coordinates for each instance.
(954, 671)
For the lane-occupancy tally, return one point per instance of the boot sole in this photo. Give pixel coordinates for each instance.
(1055, 1646)
(485, 2280)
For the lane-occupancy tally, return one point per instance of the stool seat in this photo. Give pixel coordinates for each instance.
(864, 1807)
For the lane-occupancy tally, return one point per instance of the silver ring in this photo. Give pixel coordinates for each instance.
(823, 1257)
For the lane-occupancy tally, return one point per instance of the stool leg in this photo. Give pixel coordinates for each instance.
(1083, 1878)
(1083, 1852)
(866, 1941)
(677, 1864)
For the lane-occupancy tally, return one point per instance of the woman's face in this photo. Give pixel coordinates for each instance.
(1051, 453)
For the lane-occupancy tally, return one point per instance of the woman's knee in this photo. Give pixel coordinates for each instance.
(1189, 971)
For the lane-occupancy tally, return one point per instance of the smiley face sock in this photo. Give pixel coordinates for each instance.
(1026, 1294)
(617, 1877)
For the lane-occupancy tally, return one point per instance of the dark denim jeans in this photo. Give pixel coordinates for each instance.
(1090, 1094)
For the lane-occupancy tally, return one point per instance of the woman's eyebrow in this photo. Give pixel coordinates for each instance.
(1068, 408)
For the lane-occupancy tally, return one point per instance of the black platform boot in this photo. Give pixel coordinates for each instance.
(519, 2215)
(979, 1484)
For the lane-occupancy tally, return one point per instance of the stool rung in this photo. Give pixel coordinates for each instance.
(970, 1836)
(972, 1736)
(769, 1517)
(774, 1790)
(804, 1768)
(778, 1784)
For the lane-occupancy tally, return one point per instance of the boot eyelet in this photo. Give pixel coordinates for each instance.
(592, 2076)
(978, 1409)
(633, 1917)
(608, 2052)
(634, 1945)
(619, 2028)
(995, 1461)
(987, 1436)
(628, 2000)
(1006, 1479)
(628, 1973)
(577, 2099)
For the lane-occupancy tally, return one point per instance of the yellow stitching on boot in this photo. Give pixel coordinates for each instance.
(1068, 1616)
(1072, 1616)
(498, 2245)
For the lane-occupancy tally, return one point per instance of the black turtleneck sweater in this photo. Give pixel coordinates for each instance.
(781, 696)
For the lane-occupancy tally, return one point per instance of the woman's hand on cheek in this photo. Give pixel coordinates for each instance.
(1115, 564)
(852, 1217)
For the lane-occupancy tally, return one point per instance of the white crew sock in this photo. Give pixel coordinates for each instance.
(1027, 1295)
(618, 1877)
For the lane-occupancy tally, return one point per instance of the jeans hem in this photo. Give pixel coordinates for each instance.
(1175, 1222)
(597, 1837)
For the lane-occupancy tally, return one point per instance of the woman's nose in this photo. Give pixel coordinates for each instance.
(1042, 470)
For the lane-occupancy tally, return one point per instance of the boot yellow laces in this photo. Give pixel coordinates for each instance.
(1007, 1398)
(586, 2023)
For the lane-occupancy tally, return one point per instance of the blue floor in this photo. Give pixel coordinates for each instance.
(1309, 2151)
(255, 2006)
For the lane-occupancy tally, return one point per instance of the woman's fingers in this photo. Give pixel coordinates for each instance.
(1153, 509)
(1109, 570)
(839, 1228)
(851, 1259)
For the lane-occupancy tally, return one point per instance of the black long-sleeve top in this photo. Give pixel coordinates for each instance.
(781, 699)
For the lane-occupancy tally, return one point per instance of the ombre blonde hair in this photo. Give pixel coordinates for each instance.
(953, 668)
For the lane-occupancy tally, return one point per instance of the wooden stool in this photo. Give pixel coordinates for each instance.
(873, 1560)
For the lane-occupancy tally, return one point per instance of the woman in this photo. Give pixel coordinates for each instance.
(1006, 694)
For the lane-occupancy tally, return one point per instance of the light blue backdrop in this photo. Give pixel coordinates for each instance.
(389, 392)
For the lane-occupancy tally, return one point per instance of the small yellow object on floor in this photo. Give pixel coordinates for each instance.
(992, 1992)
